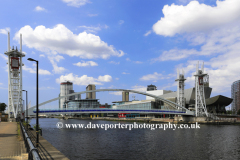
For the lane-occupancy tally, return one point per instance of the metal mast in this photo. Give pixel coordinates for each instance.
(200, 104)
(14, 79)
(180, 88)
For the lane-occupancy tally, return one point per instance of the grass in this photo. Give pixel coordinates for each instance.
(18, 131)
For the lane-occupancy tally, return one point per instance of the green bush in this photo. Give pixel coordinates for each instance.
(35, 127)
(238, 112)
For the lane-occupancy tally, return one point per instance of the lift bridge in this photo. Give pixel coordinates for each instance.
(176, 109)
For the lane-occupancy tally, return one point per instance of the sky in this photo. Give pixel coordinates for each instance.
(121, 44)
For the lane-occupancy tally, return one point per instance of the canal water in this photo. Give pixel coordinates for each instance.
(208, 142)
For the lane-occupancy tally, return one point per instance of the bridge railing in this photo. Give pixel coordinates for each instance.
(105, 109)
(223, 114)
(32, 151)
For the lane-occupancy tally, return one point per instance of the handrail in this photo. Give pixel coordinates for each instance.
(32, 150)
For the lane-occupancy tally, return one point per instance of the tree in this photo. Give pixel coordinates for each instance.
(238, 112)
(229, 112)
(2, 107)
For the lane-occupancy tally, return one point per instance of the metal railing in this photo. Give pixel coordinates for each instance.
(41, 150)
(32, 151)
(108, 109)
(216, 118)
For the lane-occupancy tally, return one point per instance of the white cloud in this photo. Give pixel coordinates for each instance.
(151, 77)
(57, 69)
(139, 88)
(33, 70)
(76, 3)
(186, 1)
(147, 33)
(61, 40)
(4, 31)
(93, 29)
(44, 72)
(125, 73)
(117, 78)
(113, 62)
(175, 54)
(105, 78)
(135, 88)
(1, 83)
(54, 59)
(4, 56)
(121, 22)
(39, 9)
(92, 15)
(3, 88)
(84, 80)
(196, 17)
(155, 77)
(138, 62)
(215, 31)
(222, 70)
(85, 64)
(217, 42)
(46, 88)
(117, 93)
(41, 55)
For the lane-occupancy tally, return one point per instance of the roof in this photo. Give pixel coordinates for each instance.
(66, 82)
(189, 94)
(218, 100)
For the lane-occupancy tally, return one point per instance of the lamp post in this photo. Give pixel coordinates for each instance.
(26, 107)
(37, 131)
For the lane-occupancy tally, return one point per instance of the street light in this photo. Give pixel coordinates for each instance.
(26, 108)
(37, 131)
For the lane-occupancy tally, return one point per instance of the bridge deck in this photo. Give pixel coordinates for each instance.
(104, 110)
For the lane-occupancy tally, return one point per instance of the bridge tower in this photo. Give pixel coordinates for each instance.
(200, 104)
(180, 88)
(14, 79)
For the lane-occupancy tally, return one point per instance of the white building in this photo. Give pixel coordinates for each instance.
(156, 93)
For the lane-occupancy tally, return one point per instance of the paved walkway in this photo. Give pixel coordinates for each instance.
(12, 148)
(9, 143)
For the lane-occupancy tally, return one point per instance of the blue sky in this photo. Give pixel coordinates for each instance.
(121, 44)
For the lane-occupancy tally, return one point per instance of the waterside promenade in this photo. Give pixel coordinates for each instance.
(12, 146)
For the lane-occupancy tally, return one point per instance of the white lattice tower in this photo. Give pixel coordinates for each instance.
(180, 88)
(200, 104)
(14, 79)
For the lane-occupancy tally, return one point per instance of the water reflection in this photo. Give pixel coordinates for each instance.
(208, 142)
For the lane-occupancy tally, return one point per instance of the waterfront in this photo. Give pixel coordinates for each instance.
(208, 142)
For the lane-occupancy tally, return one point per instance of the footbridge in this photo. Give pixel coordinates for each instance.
(111, 110)
(176, 108)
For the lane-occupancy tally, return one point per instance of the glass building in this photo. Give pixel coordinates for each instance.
(235, 93)
(83, 103)
(139, 105)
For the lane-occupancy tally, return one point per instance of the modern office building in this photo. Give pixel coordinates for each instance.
(144, 104)
(82, 103)
(125, 96)
(75, 102)
(235, 94)
(91, 95)
(65, 89)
